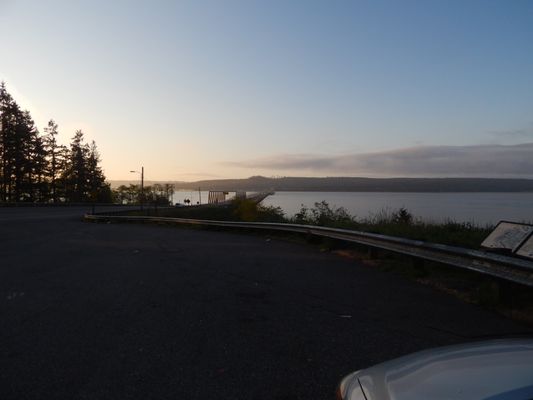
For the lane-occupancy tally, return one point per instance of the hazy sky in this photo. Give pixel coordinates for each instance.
(205, 89)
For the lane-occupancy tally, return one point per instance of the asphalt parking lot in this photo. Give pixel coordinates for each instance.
(120, 311)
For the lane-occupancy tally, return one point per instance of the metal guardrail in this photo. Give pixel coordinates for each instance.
(503, 267)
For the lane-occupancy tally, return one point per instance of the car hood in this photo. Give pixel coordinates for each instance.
(495, 370)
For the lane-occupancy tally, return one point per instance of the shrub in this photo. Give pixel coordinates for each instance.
(402, 216)
(322, 214)
(302, 216)
(249, 211)
(245, 210)
(270, 214)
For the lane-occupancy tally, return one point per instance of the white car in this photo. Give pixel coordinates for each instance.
(489, 370)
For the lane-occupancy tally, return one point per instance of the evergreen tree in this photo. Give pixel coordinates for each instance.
(62, 157)
(20, 151)
(37, 168)
(76, 174)
(100, 190)
(39, 183)
(30, 159)
(18, 132)
(8, 109)
(53, 159)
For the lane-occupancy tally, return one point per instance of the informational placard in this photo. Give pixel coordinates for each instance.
(526, 249)
(507, 236)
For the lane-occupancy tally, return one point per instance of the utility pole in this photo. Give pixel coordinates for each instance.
(200, 195)
(142, 185)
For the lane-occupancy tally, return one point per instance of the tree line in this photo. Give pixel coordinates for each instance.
(34, 167)
(157, 194)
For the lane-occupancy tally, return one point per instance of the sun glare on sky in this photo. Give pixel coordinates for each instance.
(219, 89)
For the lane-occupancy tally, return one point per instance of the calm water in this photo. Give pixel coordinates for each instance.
(479, 208)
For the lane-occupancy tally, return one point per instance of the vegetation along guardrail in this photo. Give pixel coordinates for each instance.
(508, 268)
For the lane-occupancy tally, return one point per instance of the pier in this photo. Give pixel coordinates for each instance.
(219, 197)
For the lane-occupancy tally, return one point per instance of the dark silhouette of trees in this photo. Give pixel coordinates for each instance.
(157, 194)
(100, 190)
(53, 162)
(19, 144)
(76, 175)
(8, 111)
(35, 168)
(160, 194)
(127, 194)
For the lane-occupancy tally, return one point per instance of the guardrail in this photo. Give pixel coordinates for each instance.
(500, 266)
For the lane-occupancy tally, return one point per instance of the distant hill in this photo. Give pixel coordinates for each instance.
(352, 184)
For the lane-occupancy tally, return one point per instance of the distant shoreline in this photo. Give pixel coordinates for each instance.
(354, 184)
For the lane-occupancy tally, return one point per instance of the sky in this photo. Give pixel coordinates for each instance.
(229, 89)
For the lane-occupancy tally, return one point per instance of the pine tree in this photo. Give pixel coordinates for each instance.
(30, 159)
(37, 168)
(61, 183)
(53, 159)
(76, 174)
(20, 150)
(39, 184)
(8, 109)
(100, 191)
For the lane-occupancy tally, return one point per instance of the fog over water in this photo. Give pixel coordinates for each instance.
(479, 208)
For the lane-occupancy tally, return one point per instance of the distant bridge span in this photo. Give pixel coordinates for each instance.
(219, 197)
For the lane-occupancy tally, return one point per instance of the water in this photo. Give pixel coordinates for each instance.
(478, 208)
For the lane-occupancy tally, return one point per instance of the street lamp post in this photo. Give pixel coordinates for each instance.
(142, 185)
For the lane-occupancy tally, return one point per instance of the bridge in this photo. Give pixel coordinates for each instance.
(259, 197)
(219, 197)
